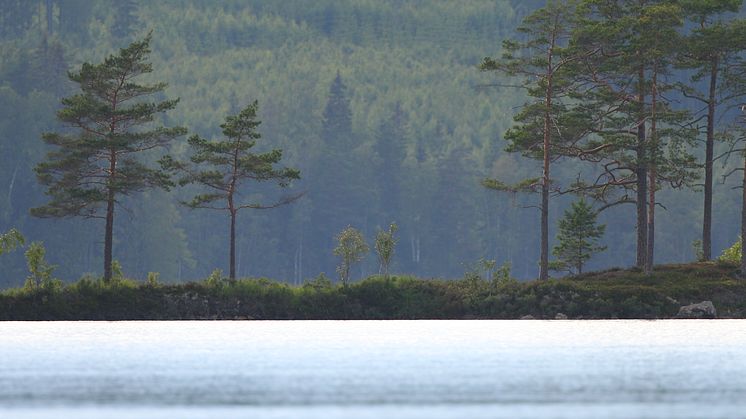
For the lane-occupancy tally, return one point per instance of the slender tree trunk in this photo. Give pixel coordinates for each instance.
(544, 262)
(709, 148)
(109, 232)
(743, 222)
(232, 209)
(653, 140)
(233, 244)
(641, 174)
(49, 12)
(544, 265)
(650, 254)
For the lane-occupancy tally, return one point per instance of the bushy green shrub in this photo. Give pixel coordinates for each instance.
(216, 279)
(321, 282)
(732, 254)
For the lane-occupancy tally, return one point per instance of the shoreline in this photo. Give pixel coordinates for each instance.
(607, 295)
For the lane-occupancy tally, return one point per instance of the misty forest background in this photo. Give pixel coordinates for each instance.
(379, 104)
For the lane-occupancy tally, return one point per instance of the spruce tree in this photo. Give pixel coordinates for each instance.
(334, 175)
(225, 167)
(578, 237)
(125, 18)
(390, 148)
(101, 159)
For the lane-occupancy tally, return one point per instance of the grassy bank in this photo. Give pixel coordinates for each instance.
(599, 295)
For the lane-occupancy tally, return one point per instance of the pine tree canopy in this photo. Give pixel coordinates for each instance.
(98, 158)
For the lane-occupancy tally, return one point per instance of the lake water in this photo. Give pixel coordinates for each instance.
(373, 369)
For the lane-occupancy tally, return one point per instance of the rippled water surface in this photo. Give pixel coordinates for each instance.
(372, 369)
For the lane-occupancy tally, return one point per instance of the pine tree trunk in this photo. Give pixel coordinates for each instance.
(108, 239)
(709, 151)
(544, 267)
(233, 245)
(544, 258)
(650, 253)
(109, 233)
(653, 140)
(743, 221)
(641, 173)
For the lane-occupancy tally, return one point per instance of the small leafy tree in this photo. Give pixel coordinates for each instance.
(351, 248)
(10, 241)
(578, 237)
(216, 279)
(384, 245)
(225, 167)
(40, 272)
(153, 279)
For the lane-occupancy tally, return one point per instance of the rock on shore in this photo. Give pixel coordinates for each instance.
(703, 310)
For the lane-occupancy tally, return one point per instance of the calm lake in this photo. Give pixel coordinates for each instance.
(373, 369)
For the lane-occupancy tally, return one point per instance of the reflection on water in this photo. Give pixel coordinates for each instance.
(362, 369)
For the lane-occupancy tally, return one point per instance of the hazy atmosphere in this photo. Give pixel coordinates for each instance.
(372, 208)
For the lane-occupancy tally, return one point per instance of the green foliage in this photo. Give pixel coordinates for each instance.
(578, 237)
(699, 253)
(117, 272)
(732, 254)
(385, 243)
(40, 271)
(216, 279)
(10, 240)
(502, 277)
(286, 55)
(226, 167)
(72, 172)
(229, 164)
(542, 131)
(321, 282)
(526, 185)
(153, 279)
(611, 294)
(351, 248)
(101, 160)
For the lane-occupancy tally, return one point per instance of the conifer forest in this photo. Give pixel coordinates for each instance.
(549, 138)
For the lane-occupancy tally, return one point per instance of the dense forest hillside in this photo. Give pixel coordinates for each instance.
(379, 104)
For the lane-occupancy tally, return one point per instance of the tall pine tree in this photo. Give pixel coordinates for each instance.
(541, 60)
(100, 161)
(712, 51)
(225, 167)
(625, 48)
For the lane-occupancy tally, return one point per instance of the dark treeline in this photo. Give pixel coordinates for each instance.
(378, 104)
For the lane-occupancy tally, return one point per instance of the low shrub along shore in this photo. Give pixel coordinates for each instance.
(623, 294)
